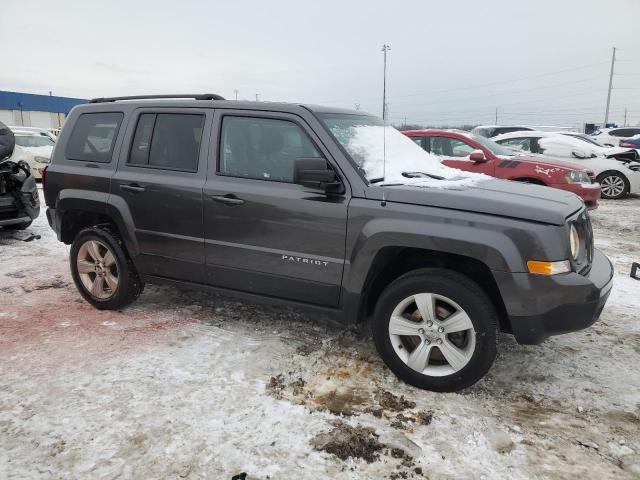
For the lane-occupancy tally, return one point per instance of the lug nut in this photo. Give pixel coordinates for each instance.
(427, 341)
(440, 329)
(421, 330)
(439, 342)
(429, 323)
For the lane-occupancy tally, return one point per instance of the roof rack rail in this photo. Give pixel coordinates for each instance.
(197, 96)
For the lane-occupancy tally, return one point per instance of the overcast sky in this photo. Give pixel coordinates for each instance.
(452, 62)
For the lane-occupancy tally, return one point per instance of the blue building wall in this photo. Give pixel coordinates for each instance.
(37, 103)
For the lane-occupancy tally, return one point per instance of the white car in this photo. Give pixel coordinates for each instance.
(33, 148)
(611, 137)
(616, 169)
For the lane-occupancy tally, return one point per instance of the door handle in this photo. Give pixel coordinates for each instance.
(228, 199)
(132, 187)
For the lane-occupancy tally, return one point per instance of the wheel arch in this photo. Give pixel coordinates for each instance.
(391, 262)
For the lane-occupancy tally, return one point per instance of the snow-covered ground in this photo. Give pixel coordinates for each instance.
(186, 385)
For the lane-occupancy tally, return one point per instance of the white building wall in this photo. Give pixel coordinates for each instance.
(6, 117)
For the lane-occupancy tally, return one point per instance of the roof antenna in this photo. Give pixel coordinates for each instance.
(385, 49)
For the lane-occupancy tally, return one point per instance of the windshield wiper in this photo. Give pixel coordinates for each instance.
(420, 175)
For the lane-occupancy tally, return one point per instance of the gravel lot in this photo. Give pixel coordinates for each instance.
(187, 385)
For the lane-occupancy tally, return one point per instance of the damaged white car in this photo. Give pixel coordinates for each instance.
(616, 169)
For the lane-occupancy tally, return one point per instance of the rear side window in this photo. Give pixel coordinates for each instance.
(168, 141)
(94, 136)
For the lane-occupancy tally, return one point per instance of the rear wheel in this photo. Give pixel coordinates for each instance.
(435, 329)
(102, 271)
(614, 185)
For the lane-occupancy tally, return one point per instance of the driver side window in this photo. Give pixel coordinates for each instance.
(262, 148)
(450, 147)
(522, 144)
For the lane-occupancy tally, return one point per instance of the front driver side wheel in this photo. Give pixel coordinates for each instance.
(435, 329)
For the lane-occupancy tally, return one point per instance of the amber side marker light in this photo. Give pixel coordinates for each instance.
(549, 268)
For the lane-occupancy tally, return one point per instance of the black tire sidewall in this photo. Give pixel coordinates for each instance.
(618, 175)
(462, 291)
(122, 294)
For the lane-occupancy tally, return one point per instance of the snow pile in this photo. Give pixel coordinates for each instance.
(368, 144)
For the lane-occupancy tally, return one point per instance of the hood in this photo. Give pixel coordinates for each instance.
(547, 161)
(492, 197)
(620, 153)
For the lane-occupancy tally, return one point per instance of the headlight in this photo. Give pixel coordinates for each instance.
(41, 159)
(574, 242)
(577, 177)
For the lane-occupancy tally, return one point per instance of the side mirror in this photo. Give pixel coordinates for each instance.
(477, 156)
(316, 173)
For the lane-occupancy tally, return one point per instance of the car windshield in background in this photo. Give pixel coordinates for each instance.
(34, 141)
(583, 138)
(492, 146)
(368, 142)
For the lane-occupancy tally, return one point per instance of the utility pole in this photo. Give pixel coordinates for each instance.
(357, 105)
(625, 117)
(257, 97)
(385, 49)
(236, 92)
(606, 113)
(496, 116)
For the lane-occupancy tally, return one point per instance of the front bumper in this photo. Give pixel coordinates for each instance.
(540, 306)
(588, 192)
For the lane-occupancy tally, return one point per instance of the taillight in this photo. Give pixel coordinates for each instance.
(627, 144)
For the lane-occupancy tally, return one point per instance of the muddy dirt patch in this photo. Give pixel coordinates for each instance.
(345, 441)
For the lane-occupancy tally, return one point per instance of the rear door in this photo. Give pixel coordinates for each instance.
(159, 180)
(263, 233)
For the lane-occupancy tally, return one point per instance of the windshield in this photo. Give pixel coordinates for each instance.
(492, 146)
(584, 138)
(368, 143)
(34, 141)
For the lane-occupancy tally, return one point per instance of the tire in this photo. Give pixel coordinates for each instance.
(614, 185)
(113, 295)
(18, 226)
(453, 294)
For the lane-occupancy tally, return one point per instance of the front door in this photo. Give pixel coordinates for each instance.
(263, 233)
(160, 178)
(455, 153)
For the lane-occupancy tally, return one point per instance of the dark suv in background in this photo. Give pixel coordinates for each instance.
(285, 204)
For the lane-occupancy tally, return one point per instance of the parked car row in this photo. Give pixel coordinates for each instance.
(563, 159)
(473, 153)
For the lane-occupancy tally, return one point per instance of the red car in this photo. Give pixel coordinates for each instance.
(473, 153)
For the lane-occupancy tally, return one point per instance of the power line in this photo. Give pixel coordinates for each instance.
(470, 87)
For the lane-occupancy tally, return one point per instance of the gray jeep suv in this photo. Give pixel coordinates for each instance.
(326, 210)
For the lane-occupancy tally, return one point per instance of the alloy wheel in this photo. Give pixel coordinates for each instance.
(98, 269)
(612, 186)
(432, 334)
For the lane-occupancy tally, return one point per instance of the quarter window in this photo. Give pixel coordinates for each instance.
(262, 148)
(168, 141)
(93, 137)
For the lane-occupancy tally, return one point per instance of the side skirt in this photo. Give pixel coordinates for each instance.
(332, 314)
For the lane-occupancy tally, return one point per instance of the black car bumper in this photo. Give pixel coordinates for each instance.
(54, 223)
(540, 306)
